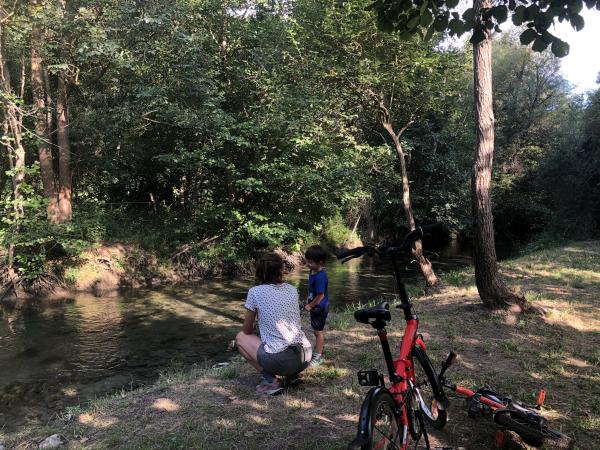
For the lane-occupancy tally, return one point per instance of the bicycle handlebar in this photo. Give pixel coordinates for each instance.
(411, 237)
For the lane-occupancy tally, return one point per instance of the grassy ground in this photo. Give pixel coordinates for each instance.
(218, 409)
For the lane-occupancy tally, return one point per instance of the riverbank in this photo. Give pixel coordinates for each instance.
(107, 269)
(217, 408)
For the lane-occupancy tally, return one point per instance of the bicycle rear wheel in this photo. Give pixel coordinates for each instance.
(534, 436)
(385, 425)
(429, 389)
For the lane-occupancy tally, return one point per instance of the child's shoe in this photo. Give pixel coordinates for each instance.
(267, 387)
(315, 362)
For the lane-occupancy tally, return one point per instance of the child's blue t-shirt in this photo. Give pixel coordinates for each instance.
(317, 284)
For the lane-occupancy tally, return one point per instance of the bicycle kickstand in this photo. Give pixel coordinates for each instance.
(423, 429)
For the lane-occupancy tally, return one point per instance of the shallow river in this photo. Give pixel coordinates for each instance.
(61, 353)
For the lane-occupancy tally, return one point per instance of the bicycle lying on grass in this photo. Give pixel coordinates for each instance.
(415, 393)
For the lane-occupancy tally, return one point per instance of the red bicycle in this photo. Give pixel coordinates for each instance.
(523, 419)
(415, 395)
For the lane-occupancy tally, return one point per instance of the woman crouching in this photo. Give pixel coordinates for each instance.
(282, 348)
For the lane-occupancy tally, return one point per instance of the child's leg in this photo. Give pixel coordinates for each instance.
(319, 341)
(247, 345)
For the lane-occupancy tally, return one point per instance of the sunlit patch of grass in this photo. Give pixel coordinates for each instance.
(351, 392)
(552, 361)
(340, 322)
(574, 279)
(329, 373)
(532, 296)
(591, 423)
(227, 424)
(350, 308)
(297, 403)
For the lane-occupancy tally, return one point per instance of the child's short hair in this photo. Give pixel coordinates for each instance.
(269, 269)
(316, 253)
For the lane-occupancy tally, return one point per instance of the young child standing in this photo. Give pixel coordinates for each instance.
(318, 300)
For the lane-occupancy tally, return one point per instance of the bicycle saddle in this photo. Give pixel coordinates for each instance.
(380, 312)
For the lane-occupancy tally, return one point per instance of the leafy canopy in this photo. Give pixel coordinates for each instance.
(425, 17)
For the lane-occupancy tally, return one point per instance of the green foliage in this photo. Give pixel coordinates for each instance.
(214, 130)
(408, 18)
(37, 243)
(335, 233)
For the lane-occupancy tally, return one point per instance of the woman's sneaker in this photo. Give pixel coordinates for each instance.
(269, 387)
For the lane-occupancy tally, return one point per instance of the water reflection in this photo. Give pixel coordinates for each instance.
(63, 353)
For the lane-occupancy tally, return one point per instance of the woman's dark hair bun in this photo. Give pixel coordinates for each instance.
(269, 269)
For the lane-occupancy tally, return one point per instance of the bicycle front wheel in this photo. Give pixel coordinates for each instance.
(533, 435)
(385, 424)
(428, 389)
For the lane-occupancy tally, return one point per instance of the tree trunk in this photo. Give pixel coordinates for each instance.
(41, 124)
(371, 233)
(417, 250)
(491, 287)
(13, 125)
(62, 133)
(64, 149)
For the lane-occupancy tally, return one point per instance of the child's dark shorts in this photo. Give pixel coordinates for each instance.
(318, 317)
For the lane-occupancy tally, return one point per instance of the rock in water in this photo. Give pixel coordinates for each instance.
(54, 441)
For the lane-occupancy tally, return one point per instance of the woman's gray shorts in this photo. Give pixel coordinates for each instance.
(288, 362)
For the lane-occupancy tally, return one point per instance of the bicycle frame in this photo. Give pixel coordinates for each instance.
(401, 371)
(403, 395)
(494, 405)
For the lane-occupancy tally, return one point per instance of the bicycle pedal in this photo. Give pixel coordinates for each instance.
(368, 377)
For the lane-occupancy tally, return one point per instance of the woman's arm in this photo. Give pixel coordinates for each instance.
(249, 319)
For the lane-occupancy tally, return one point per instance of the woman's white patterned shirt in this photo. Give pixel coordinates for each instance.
(278, 316)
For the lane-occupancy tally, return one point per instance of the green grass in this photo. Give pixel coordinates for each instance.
(227, 373)
(340, 322)
(328, 373)
(218, 409)
(458, 278)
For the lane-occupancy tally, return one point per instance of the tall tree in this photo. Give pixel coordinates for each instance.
(409, 19)
(417, 248)
(40, 97)
(380, 88)
(13, 111)
(62, 128)
(492, 289)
